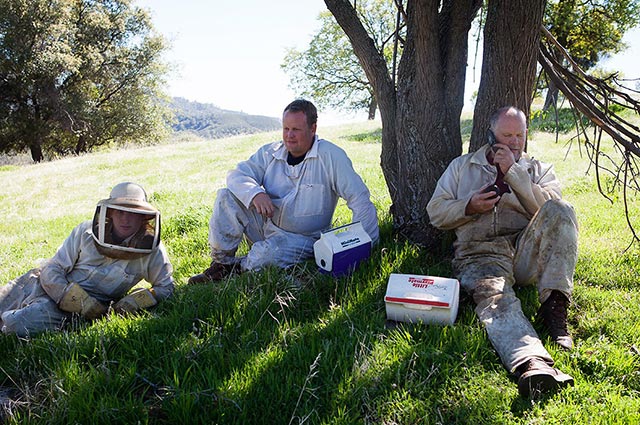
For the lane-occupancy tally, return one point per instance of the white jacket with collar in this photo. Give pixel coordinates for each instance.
(305, 195)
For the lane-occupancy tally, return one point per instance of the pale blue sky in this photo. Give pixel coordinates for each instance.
(229, 52)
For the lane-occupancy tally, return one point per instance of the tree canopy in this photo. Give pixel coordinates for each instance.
(330, 73)
(75, 74)
(588, 31)
(591, 30)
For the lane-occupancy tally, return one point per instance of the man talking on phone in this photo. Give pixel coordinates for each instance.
(512, 228)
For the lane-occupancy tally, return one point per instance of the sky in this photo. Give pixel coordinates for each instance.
(228, 53)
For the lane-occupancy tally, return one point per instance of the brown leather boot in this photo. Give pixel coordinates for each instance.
(537, 377)
(215, 272)
(553, 314)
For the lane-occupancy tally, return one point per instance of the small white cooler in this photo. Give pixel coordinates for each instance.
(340, 250)
(426, 299)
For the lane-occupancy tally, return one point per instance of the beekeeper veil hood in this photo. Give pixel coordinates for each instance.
(126, 225)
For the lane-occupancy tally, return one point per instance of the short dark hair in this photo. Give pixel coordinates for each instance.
(302, 105)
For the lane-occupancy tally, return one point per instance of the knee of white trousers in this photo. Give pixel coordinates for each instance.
(13, 323)
(230, 221)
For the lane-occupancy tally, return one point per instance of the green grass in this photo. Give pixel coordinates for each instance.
(297, 346)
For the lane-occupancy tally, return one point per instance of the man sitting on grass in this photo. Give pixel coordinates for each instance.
(511, 228)
(282, 198)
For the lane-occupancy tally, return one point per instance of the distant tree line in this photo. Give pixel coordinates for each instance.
(211, 122)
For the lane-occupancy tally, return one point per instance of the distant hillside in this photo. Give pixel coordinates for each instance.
(211, 122)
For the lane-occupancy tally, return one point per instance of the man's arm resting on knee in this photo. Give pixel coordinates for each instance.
(263, 205)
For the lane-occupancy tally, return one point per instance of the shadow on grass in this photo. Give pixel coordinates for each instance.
(374, 136)
(269, 347)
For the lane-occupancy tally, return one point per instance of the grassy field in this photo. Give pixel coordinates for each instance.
(297, 346)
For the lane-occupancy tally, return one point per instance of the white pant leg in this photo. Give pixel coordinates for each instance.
(271, 245)
(279, 248)
(229, 223)
(41, 315)
(547, 250)
(26, 309)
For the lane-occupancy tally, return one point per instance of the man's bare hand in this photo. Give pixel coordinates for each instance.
(503, 157)
(481, 203)
(263, 205)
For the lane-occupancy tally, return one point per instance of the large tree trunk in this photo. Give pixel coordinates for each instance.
(36, 151)
(81, 145)
(373, 107)
(509, 60)
(421, 117)
(36, 138)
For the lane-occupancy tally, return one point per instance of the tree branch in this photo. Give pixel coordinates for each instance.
(593, 98)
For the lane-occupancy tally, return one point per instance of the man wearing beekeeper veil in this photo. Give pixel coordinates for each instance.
(95, 269)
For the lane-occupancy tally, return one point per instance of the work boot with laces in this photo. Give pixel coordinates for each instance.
(216, 271)
(553, 314)
(536, 377)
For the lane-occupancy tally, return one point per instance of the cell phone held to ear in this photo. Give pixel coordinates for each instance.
(500, 187)
(491, 139)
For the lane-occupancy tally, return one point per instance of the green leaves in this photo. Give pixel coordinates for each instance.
(76, 74)
(329, 72)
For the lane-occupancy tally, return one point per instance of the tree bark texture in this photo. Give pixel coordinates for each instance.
(373, 107)
(509, 61)
(421, 115)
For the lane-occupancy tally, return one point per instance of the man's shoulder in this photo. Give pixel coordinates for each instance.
(269, 150)
(470, 157)
(326, 147)
(525, 157)
(272, 146)
(534, 165)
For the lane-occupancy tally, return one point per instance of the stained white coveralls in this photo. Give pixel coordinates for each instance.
(530, 237)
(305, 196)
(29, 304)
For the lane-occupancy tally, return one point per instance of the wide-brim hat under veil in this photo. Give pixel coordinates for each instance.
(132, 198)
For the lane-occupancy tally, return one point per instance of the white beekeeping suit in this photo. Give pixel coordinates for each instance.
(305, 196)
(91, 269)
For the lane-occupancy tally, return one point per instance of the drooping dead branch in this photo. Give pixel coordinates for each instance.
(599, 100)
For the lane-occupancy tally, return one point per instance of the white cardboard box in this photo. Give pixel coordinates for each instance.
(426, 299)
(340, 250)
